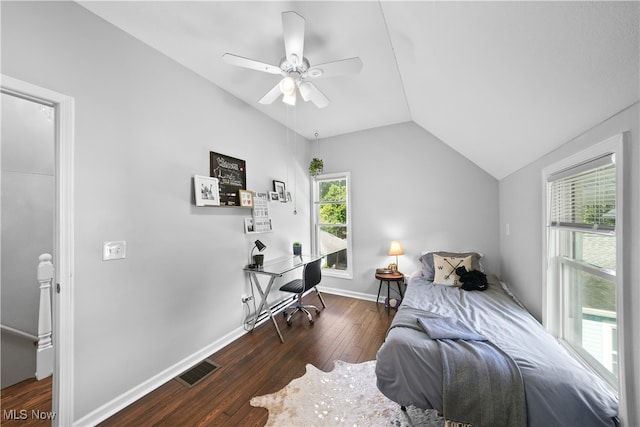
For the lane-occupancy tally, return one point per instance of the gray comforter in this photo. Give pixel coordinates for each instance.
(559, 390)
(469, 395)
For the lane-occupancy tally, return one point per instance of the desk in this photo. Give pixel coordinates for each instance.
(274, 268)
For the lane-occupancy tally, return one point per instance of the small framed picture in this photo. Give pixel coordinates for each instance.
(248, 225)
(288, 196)
(206, 191)
(273, 196)
(278, 187)
(246, 198)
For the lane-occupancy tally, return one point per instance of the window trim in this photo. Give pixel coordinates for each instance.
(348, 273)
(552, 298)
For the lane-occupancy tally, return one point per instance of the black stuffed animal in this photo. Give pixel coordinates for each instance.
(473, 280)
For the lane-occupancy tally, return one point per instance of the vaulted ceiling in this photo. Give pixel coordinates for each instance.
(502, 83)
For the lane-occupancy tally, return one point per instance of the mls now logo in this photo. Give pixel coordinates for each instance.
(23, 414)
(14, 414)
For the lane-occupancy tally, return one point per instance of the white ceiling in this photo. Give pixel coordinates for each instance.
(503, 83)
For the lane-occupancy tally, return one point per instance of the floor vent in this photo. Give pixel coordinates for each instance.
(196, 374)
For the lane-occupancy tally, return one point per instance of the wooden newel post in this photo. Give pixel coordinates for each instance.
(44, 354)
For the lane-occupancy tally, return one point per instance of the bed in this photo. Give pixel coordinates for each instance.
(414, 369)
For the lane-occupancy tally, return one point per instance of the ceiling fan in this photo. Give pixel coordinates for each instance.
(295, 68)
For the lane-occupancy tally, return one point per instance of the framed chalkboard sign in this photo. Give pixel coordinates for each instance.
(232, 177)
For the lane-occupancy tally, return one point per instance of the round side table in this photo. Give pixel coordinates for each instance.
(396, 277)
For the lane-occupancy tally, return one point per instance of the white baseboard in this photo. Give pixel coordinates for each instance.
(119, 403)
(345, 293)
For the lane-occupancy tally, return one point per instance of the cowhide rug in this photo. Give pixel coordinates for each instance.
(346, 396)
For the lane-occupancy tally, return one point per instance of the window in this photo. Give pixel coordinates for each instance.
(332, 223)
(583, 233)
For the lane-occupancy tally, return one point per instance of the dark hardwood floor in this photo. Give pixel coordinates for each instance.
(348, 329)
(20, 400)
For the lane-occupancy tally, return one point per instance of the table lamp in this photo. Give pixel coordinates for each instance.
(258, 259)
(396, 249)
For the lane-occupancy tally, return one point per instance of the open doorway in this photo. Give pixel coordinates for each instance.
(59, 183)
(27, 222)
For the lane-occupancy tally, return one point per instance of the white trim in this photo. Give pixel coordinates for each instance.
(626, 385)
(64, 224)
(615, 144)
(346, 293)
(119, 403)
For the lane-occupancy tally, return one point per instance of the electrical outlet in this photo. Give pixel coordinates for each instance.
(246, 298)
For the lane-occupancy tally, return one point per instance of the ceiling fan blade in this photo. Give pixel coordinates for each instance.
(232, 59)
(293, 34)
(310, 92)
(272, 95)
(335, 68)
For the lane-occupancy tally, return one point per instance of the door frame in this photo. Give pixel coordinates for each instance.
(62, 393)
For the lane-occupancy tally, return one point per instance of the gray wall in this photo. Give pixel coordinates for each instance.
(27, 225)
(143, 126)
(521, 252)
(409, 186)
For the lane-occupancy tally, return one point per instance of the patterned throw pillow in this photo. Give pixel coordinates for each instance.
(426, 261)
(445, 269)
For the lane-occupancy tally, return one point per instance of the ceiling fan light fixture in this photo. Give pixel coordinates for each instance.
(288, 86)
(305, 91)
(289, 99)
(294, 67)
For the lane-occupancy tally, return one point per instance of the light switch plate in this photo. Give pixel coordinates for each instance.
(114, 250)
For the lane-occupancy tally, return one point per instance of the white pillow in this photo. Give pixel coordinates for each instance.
(445, 269)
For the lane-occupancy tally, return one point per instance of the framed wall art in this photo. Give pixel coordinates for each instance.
(278, 187)
(206, 191)
(246, 198)
(273, 196)
(248, 225)
(232, 177)
(261, 220)
(252, 226)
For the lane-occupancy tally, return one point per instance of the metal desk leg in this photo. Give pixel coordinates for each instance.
(263, 303)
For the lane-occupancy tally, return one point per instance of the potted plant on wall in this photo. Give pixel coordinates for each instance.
(297, 248)
(315, 167)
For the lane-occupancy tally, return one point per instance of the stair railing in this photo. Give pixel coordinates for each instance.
(44, 353)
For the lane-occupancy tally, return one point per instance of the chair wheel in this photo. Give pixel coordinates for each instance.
(284, 313)
(317, 311)
(311, 322)
(288, 322)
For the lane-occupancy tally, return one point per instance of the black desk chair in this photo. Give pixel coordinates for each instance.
(310, 278)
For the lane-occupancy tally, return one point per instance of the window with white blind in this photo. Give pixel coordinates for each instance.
(584, 197)
(583, 207)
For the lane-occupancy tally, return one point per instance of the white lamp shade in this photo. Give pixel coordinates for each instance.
(287, 85)
(289, 99)
(288, 88)
(395, 248)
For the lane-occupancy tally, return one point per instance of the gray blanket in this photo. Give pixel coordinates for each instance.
(559, 390)
(482, 385)
(448, 328)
